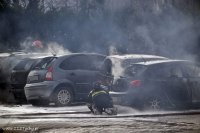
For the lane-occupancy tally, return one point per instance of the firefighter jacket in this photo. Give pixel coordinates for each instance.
(95, 93)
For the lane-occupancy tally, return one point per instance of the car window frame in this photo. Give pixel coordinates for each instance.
(48, 63)
(87, 63)
(164, 67)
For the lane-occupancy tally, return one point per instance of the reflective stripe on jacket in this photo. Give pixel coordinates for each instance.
(98, 92)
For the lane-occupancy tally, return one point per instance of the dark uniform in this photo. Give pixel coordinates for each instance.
(99, 99)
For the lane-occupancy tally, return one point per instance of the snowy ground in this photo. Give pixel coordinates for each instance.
(78, 119)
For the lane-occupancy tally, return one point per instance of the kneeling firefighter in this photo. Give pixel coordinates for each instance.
(100, 101)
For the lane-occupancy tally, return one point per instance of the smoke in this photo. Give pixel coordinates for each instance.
(163, 34)
(48, 48)
(57, 49)
(117, 69)
(129, 26)
(26, 44)
(9, 60)
(113, 50)
(109, 27)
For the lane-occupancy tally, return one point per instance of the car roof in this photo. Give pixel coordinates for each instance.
(29, 55)
(161, 61)
(135, 56)
(4, 54)
(74, 54)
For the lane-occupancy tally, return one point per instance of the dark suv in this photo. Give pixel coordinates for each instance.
(115, 65)
(14, 69)
(165, 84)
(20, 73)
(18, 78)
(63, 79)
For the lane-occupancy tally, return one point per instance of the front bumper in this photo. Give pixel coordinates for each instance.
(42, 90)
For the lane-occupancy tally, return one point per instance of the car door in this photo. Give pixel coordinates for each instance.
(177, 85)
(168, 81)
(82, 70)
(156, 80)
(192, 73)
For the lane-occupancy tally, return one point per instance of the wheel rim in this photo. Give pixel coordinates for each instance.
(155, 104)
(64, 97)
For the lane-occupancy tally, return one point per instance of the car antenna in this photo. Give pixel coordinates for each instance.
(53, 52)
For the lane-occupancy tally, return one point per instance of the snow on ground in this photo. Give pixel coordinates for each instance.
(78, 119)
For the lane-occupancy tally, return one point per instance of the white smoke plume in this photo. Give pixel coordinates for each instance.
(49, 47)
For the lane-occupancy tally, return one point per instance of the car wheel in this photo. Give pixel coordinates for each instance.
(63, 97)
(155, 103)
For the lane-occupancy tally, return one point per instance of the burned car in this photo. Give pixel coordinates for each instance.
(63, 80)
(14, 69)
(18, 78)
(7, 62)
(20, 73)
(3, 73)
(115, 65)
(164, 84)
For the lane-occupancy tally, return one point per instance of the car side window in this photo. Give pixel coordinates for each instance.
(134, 70)
(165, 71)
(157, 72)
(191, 70)
(175, 72)
(74, 62)
(44, 63)
(81, 62)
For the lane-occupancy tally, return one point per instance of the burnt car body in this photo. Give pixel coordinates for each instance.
(115, 65)
(18, 78)
(20, 73)
(63, 79)
(14, 69)
(7, 63)
(3, 74)
(165, 84)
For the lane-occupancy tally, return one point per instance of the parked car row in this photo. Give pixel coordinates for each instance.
(61, 79)
(69, 78)
(141, 81)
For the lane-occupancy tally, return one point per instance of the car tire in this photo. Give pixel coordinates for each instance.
(20, 99)
(63, 96)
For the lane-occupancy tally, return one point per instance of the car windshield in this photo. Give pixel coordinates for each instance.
(45, 62)
(135, 70)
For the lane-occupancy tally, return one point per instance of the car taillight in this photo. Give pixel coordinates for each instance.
(49, 74)
(135, 83)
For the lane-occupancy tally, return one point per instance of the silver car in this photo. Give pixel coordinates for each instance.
(63, 80)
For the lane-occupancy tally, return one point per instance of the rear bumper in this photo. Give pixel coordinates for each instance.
(17, 88)
(118, 97)
(126, 98)
(42, 90)
(18, 92)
